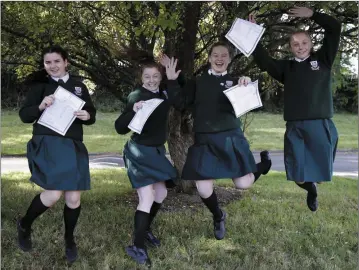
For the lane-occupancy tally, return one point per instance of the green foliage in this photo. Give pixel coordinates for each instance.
(104, 38)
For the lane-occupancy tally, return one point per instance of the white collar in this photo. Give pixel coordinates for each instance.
(65, 78)
(301, 60)
(156, 91)
(211, 72)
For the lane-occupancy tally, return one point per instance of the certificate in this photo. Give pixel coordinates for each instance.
(138, 121)
(244, 98)
(245, 35)
(60, 115)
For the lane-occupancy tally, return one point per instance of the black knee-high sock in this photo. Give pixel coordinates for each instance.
(261, 167)
(141, 225)
(70, 218)
(35, 209)
(154, 209)
(308, 186)
(212, 204)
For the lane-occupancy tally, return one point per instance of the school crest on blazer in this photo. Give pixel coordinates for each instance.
(314, 65)
(78, 91)
(229, 84)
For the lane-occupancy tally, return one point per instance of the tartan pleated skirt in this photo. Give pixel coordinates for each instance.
(309, 150)
(58, 163)
(219, 155)
(147, 165)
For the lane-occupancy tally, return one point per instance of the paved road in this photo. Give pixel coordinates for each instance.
(346, 163)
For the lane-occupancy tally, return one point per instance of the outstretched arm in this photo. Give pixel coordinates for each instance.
(274, 67)
(180, 96)
(332, 30)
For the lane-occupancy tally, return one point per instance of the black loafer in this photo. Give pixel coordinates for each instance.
(312, 201)
(152, 240)
(23, 237)
(219, 228)
(139, 255)
(265, 159)
(71, 252)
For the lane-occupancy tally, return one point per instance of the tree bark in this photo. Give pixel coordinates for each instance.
(180, 124)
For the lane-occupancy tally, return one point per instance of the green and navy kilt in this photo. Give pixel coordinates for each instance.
(147, 165)
(309, 150)
(58, 163)
(219, 155)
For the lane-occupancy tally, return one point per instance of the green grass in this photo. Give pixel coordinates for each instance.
(269, 228)
(265, 132)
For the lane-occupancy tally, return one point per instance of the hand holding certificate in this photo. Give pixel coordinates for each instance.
(244, 98)
(60, 115)
(138, 121)
(245, 35)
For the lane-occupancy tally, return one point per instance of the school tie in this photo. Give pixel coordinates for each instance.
(61, 82)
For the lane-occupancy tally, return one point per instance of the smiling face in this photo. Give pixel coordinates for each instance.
(300, 45)
(219, 59)
(55, 65)
(151, 78)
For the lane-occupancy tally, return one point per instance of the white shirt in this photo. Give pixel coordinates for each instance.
(65, 78)
(212, 72)
(301, 60)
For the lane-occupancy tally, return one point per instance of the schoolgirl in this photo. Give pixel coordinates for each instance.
(220, 149)
(59, 164)
(311, 138)
(148, 168)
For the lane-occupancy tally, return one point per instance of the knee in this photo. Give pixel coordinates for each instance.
(72, 199)
(299, 183)
(244, 182)
(160, 195)
(147, 199)
(240, 185)
(50, 197)
(204, 192)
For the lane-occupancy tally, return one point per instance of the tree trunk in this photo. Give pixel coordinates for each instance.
(180, 124)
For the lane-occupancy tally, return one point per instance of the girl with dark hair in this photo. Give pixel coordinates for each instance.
(220, 149)
(311, 137)
(147, 166)
(59, 164)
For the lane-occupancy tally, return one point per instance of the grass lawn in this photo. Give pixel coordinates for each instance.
(265, 132)
(269, 228)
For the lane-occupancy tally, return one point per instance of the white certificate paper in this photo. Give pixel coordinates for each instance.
(60, 115)
(245, 35)
(141, 116)
(244, 98)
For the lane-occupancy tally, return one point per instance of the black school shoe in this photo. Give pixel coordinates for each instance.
(71, 251)
(219, 229)
(152, 240)
(265, 159)
(139, 255)
(312, 201)
(23, 237)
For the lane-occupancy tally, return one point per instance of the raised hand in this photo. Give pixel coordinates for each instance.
(252, 18)
(171, 69)
(46, 102)
(163, 59)
(300, 12)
